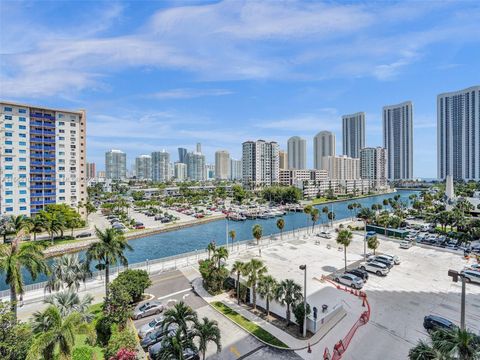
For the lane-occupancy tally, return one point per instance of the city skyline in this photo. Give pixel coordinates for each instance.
(188, 96)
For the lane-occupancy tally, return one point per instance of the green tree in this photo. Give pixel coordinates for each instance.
(373, 243)
(69, 301)
(331, 217)
(232, 234)
(207, 331)
(257, 232)
(289, 293)
(308, 210)
(344, 238)
(134, 282)
(221, 253)
(180, 315)
(53, 331)
(315, 214)
(67, 271)
(109, 250)
(173, 347)
(15, 338)
(14, 257)
(280, 226)
(211, 248)
(267, 289)
(237, 269)
(120, 339)
(253, 270)
(117, 306)
(35, 226)
(52, 222)
(384, 220)
(299, 312)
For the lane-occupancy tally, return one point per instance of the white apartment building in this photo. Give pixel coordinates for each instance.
(373, 166)
(297, 153)
(458, 134)
(353, 131)
(323, 145)
(143, 167)
(42, 158)
(160, 166)
(235, 169)
(115, 165)
(295, 177)
(341, 167)
(260, 163)
(312, 189)
(222, 165)
(398, 140)
(180, 171)
(196, 166)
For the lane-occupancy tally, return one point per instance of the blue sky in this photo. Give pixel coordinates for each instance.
(162, 74)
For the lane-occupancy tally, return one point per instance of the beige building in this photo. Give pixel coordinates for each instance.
(341, 167)
(323, 145)
(91, 171)
(295, 177)
(283, 160)
(222, 165)
(373, 166)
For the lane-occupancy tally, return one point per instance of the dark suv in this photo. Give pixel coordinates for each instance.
(433, 322)
(362, 274)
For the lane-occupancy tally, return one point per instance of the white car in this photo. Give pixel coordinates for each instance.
(324, 234)
(406, 245)
(350, 280)
(150, 326)
(394, 258)
(474, 267)
(471, 276)
(375, 267)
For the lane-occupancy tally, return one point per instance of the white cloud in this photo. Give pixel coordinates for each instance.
(189, 93)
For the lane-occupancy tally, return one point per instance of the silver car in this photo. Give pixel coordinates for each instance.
(149, 308)
(350, 280)
(150, 326)
(471, 276)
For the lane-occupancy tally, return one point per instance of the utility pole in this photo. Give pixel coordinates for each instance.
(304, 268)
(455, 275)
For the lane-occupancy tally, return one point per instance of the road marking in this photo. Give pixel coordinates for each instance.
(173, 294)
(185, 296)
(168, 278)
(234, 351)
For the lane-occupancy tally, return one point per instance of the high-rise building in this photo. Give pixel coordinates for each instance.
(222, 164)
(182, 154)
(102, 174)
(323, 145)
(160, 166)
(297, 153)
(91, 170)
(199, 148)
(398, 140)
(235, 169)
(353, 127)
(260, 163)
(373, 166)
(283, 160)
(210, 172)
(143, 167)
(195, 166)
(115, 165)
(42, 158)
(180, 171)
(341, 167)
(458, 134)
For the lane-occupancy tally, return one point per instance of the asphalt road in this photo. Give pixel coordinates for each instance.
(173, 287)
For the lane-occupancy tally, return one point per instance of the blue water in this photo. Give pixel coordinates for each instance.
(197, 237)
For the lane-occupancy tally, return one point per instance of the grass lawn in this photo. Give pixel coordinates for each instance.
(320, 200)
(80, 341)
(248, 325)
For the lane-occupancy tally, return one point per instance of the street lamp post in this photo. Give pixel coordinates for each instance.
(455, 275)
(304, 268)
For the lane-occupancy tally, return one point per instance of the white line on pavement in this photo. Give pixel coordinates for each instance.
(175, 293)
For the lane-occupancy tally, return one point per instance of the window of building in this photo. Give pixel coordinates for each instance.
(8, 142)
(22, 200)
(22, 135)
(60, 116)
(8, 126)
(9, 192)
(8, 151)
(22, 127)
(61, 153)
(62, 183)
(61, 131)
(22, 143)
(22, 119)
(22, 192)
(22, 159)
(8, 167)
(22, 176)
(61, 123)
(8, 134)
(9, 201)
(22, 184)
(8, 183)
(22, 111)
(8, 117)
(22, 168)
(61, 168)
(22, 151)
(8, 159)
(7, 109)
(23, 208)
(62, 191)
(61, 138)
(9, 209)
(62, 197)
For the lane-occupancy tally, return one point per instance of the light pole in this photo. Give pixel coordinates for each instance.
(455, 275)
(304, 268)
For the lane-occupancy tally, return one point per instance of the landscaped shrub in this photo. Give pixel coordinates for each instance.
(118, 308)
(103, 328)
(120, 339)
(134, 282)
(213, 277)
(125, 354)
(82, 353)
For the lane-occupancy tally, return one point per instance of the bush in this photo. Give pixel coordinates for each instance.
(213, 277)
(125, 354)
(103, 328)
(120, 339)
(299, 312)
(134, 282)
(118, 308)
(82, 353)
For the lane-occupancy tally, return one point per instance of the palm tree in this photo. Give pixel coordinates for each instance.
(68, 302)
(373, 243)
(232, 235)
(280, 226)
(366, 215)
(315, 214)
(384, 220)
(220, 254)
(351, 207)
(289, 293)
(325, 211)
(207, 331)
(173, 347)
(307, 210)
(19, 223)
(267, 289)
(331, 217)
(52, 329)
(180, 315)
(254, 269)
(52, 222)
(344, 238)
(457, 343)
(108, 251)
(423, 351)
(257, 232)
(238, 268)
(14, 257)
(36, 225)
(67, 271)
(211, 248)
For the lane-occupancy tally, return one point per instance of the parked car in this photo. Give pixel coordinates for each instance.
(150, 326)
(139, 226)
(155, 337)
(324, 234)
(394, 258)
(375, 267)
(387, 262)
(84, 235)
(158, 217)
(434, 322)
(147, 309)
(360, 273)
(475, 267)
(471, 276)
(350, 280)
(406, 245)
